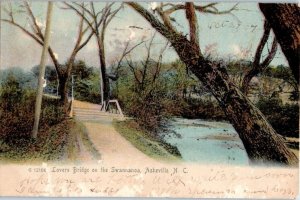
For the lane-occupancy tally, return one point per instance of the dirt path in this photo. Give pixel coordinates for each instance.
(109, 143)
(112, 146)
(84, 155)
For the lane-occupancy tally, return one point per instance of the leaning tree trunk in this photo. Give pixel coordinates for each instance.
(261, 142)
(285, 22)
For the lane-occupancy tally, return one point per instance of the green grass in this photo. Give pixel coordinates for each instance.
(142, 141)
(72, 148)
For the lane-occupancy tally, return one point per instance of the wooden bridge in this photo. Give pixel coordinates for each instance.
(84, 111)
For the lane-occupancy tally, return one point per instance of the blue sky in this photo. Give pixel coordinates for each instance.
(231, 35)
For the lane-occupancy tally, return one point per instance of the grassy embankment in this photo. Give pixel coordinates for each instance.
(152, 146)
(58, 135)
(58, 143)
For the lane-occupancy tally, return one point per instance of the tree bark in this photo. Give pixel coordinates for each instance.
(63, 90)
(285, 22)
(104, 77)
(39, 96)
(261, 142)
(257, 66)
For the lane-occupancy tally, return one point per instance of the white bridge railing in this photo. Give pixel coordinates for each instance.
(109, 108)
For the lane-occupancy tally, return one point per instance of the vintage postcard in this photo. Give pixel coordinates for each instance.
(149, 99)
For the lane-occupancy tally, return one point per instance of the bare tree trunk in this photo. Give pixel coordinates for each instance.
(63, 90)
(39, 96)
(285, 22)
(261, 142)
(105, 17)
(63, 82)
(104, 78)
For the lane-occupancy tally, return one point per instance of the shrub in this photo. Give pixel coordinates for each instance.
(203, 109)
(17, 111)
(17, 117)
(283, 117)
(148, 110)
(52, 112)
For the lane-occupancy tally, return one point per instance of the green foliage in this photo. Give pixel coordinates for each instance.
(86, 83)
(237, 67)
(203, 109)
(25, 79)
(11, 93)
(50, 72)
(284, 73)
(17, 115)
(50, 76)
(151, 97)
(52, 112)
(283, 117)
(82, 71)
(88, 89)
(177, 93)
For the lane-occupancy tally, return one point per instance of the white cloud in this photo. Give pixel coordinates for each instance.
(241, 52)
(153, 5)
(55, 55)
(132, 34)
(236, 49)
(40, 24)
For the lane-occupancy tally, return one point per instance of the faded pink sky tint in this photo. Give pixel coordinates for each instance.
(232, 35)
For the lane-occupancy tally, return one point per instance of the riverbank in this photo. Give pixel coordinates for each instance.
(153, 147)
(211, 142)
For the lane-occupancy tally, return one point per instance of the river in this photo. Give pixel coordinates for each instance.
(208, 142)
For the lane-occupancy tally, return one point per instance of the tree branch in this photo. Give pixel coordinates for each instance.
(193, 24)
(161, 28)
(146, 63)
(262, 43)
(209, 8)
(165, 18)
(112, 15)
(51, 53)
(158, 65)
(125, 53)
(84, 8)
(133, 70)
(215, 11)
(24, 30)
(80, 33)
(271, 54)
(257, 66)
(81, 15)
(34, 20)
(177, 40)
